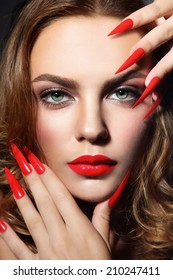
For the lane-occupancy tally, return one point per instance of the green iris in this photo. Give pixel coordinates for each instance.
(57, 96)
(122, 94)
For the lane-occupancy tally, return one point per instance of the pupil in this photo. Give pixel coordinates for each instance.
(122, 94)
(56, 96)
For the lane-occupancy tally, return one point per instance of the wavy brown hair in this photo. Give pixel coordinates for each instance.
(146, 221)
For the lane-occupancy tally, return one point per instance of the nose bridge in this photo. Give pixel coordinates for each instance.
(91, 124)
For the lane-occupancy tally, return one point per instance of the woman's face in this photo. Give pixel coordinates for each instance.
(86, 125)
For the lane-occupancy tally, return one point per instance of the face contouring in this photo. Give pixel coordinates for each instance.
(84, 109)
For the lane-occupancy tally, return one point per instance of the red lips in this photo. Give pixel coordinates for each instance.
(92, 166)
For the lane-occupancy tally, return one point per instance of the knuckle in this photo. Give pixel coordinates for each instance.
(147, 43)
(60, 198)
(105, 217)
(33, 180)
(156, 8)
(44, 203)
(33, 222)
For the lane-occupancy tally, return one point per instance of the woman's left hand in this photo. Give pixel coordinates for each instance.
(160, 12)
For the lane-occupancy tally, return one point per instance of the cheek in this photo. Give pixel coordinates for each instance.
(45, 131)
(129, 136)
(52, 131)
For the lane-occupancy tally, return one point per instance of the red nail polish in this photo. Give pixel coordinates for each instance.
(125, 25)
(38, 166)
(14, 184)
(155, 105)
(21, 160)
(3, 226)
(132, 59)
(151, 86)
(115, 197)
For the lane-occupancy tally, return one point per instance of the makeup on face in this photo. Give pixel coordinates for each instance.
(86, 126)
(92, 166)
(57, 91)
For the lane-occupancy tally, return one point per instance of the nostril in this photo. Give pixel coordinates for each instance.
(102, 138)
(91, 127)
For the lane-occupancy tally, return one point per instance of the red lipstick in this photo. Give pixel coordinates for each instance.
(92, 166)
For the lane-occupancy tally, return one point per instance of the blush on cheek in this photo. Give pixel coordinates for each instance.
(44, 132)
(53, 132)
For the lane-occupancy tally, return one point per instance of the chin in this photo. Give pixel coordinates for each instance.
(91, 190)
(91, 197)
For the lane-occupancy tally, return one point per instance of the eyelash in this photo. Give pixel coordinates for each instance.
(45, 95)
(129, 90)
(43, 98)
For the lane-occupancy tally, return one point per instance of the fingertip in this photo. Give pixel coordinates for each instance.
(152, 81)
(125, 25)
(102, 208)
(3, 226)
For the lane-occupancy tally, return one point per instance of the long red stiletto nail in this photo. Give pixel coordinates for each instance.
(155, 105)
(132, 59)
(115, 197)
(21, 160)
(38, 166)
(151, 86)
(3, 226)
(125, 25)
(14, 184)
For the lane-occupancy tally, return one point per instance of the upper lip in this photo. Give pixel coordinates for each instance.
(93, 160)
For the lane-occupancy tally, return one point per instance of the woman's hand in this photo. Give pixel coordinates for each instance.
(160, 12)
(59, 228)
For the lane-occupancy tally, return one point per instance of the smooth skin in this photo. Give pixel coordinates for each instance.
(74, 48)
(93, 119)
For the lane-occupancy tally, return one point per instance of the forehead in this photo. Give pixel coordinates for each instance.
(80, 42)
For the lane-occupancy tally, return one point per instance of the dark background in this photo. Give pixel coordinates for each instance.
(8, 9)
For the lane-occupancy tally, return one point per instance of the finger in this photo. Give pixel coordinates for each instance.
(151, 12)
(146, 15)
(101, 220)
(62, 198)
(48, 192)
(162, 68)
(47, 208)
(5, 252)
(160, 20)
(31, 216)
(161, 34)
(33, 221)
(16, 245)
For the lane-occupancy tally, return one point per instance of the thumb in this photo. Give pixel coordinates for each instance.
(101, 220)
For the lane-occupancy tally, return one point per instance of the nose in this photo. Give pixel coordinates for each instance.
(91, 125)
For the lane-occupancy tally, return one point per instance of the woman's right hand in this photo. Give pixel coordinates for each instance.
(59, 228)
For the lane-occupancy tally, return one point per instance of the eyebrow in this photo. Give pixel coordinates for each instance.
(132, 74)
(72, 84)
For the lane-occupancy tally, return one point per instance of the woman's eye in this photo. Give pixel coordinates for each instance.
(55, 97)
(124, 94)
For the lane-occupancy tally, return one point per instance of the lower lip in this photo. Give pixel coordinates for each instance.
(91, 170)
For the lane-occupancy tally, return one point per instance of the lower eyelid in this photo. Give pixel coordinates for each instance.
(51, 105)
